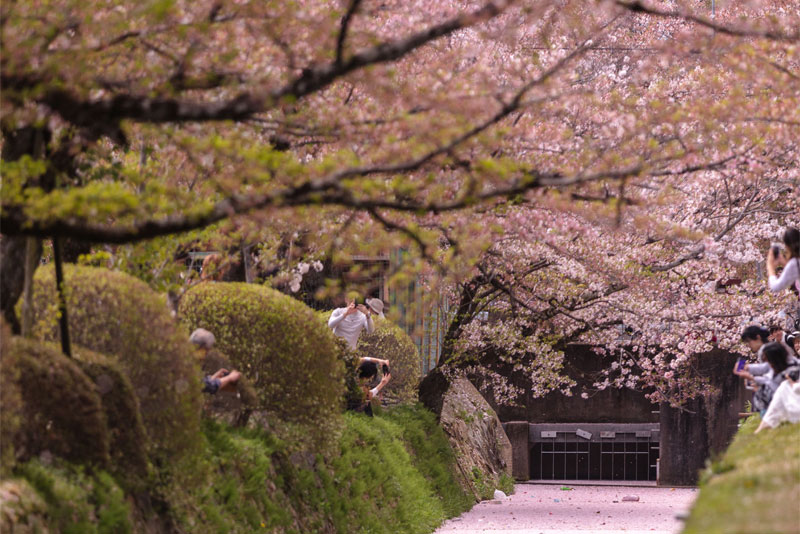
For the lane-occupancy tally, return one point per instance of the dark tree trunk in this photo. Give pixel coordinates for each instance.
(12, 277)
(62, 301)
(27, 141)
(435, 384)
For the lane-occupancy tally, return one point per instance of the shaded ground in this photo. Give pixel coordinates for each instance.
(547, 509)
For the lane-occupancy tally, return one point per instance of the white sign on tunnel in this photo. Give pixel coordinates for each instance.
(584, 434)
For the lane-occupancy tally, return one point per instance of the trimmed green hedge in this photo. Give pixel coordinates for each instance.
(280, 346)
(120, 316)
(61, 413)
(389, 342)
(753, 487)
(126, 431)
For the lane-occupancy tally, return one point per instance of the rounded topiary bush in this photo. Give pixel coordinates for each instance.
(390, 342)
(126, 432)
(120, 316)
(278, 343)
(61, 413)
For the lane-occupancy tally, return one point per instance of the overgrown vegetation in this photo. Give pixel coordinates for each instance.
(753, 487)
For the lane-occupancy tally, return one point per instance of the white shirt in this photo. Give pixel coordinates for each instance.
(349, 327)
(790, 274)
(785, 405)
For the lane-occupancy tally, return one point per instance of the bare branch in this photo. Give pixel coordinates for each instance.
(103, 116)
(637, 6)
(351, 10)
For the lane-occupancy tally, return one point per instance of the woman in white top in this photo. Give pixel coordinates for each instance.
(789, 260)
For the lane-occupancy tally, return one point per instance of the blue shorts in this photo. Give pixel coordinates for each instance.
(211, 385)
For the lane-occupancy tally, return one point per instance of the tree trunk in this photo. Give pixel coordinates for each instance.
(12, 278)
(33, 252)
(28, 141)
(62, 301)
(435, 384)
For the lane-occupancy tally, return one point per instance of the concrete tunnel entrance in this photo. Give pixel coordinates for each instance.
(621, 452)
(619, 434)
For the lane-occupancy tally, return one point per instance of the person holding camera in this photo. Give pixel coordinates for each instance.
(756, 338)
(781, 367)
(348, 322)
(789, 259)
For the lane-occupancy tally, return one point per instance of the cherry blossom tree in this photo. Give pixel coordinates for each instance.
(577, 166)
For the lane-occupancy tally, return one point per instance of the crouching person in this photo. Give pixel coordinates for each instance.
(236, 405)
(222, 379)
(367, 371)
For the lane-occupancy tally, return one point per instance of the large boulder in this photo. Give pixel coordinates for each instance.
(389, 342)
(119, 316)
(483, 451)
(279, 344)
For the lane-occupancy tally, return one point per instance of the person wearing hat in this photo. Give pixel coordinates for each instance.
(348, 322)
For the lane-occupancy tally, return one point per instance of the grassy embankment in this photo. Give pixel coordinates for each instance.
(393, 474)
(754, 488)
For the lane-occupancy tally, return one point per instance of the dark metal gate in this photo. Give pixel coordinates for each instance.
(594, 452)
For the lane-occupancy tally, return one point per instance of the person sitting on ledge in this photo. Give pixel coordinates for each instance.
(222, 379)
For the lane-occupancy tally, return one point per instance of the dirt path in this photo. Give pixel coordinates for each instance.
(547, 509)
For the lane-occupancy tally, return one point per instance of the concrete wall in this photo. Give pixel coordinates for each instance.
(703, 427)
(607, 406)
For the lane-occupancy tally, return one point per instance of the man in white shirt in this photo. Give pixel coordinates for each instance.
(348, 322)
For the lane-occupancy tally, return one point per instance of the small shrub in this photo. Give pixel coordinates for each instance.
(277, 343)
(120, 316)
(389, 342)
(61, 412)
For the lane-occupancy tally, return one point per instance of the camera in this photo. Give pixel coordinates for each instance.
(776, 250)
(385, 369)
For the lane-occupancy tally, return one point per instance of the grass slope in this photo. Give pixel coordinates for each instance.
(754, 487)
(392, 474)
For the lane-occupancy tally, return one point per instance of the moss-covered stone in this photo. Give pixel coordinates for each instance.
(389, 342)
(120, 316)
(278, 343)
(22, 511)
(61, 413)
